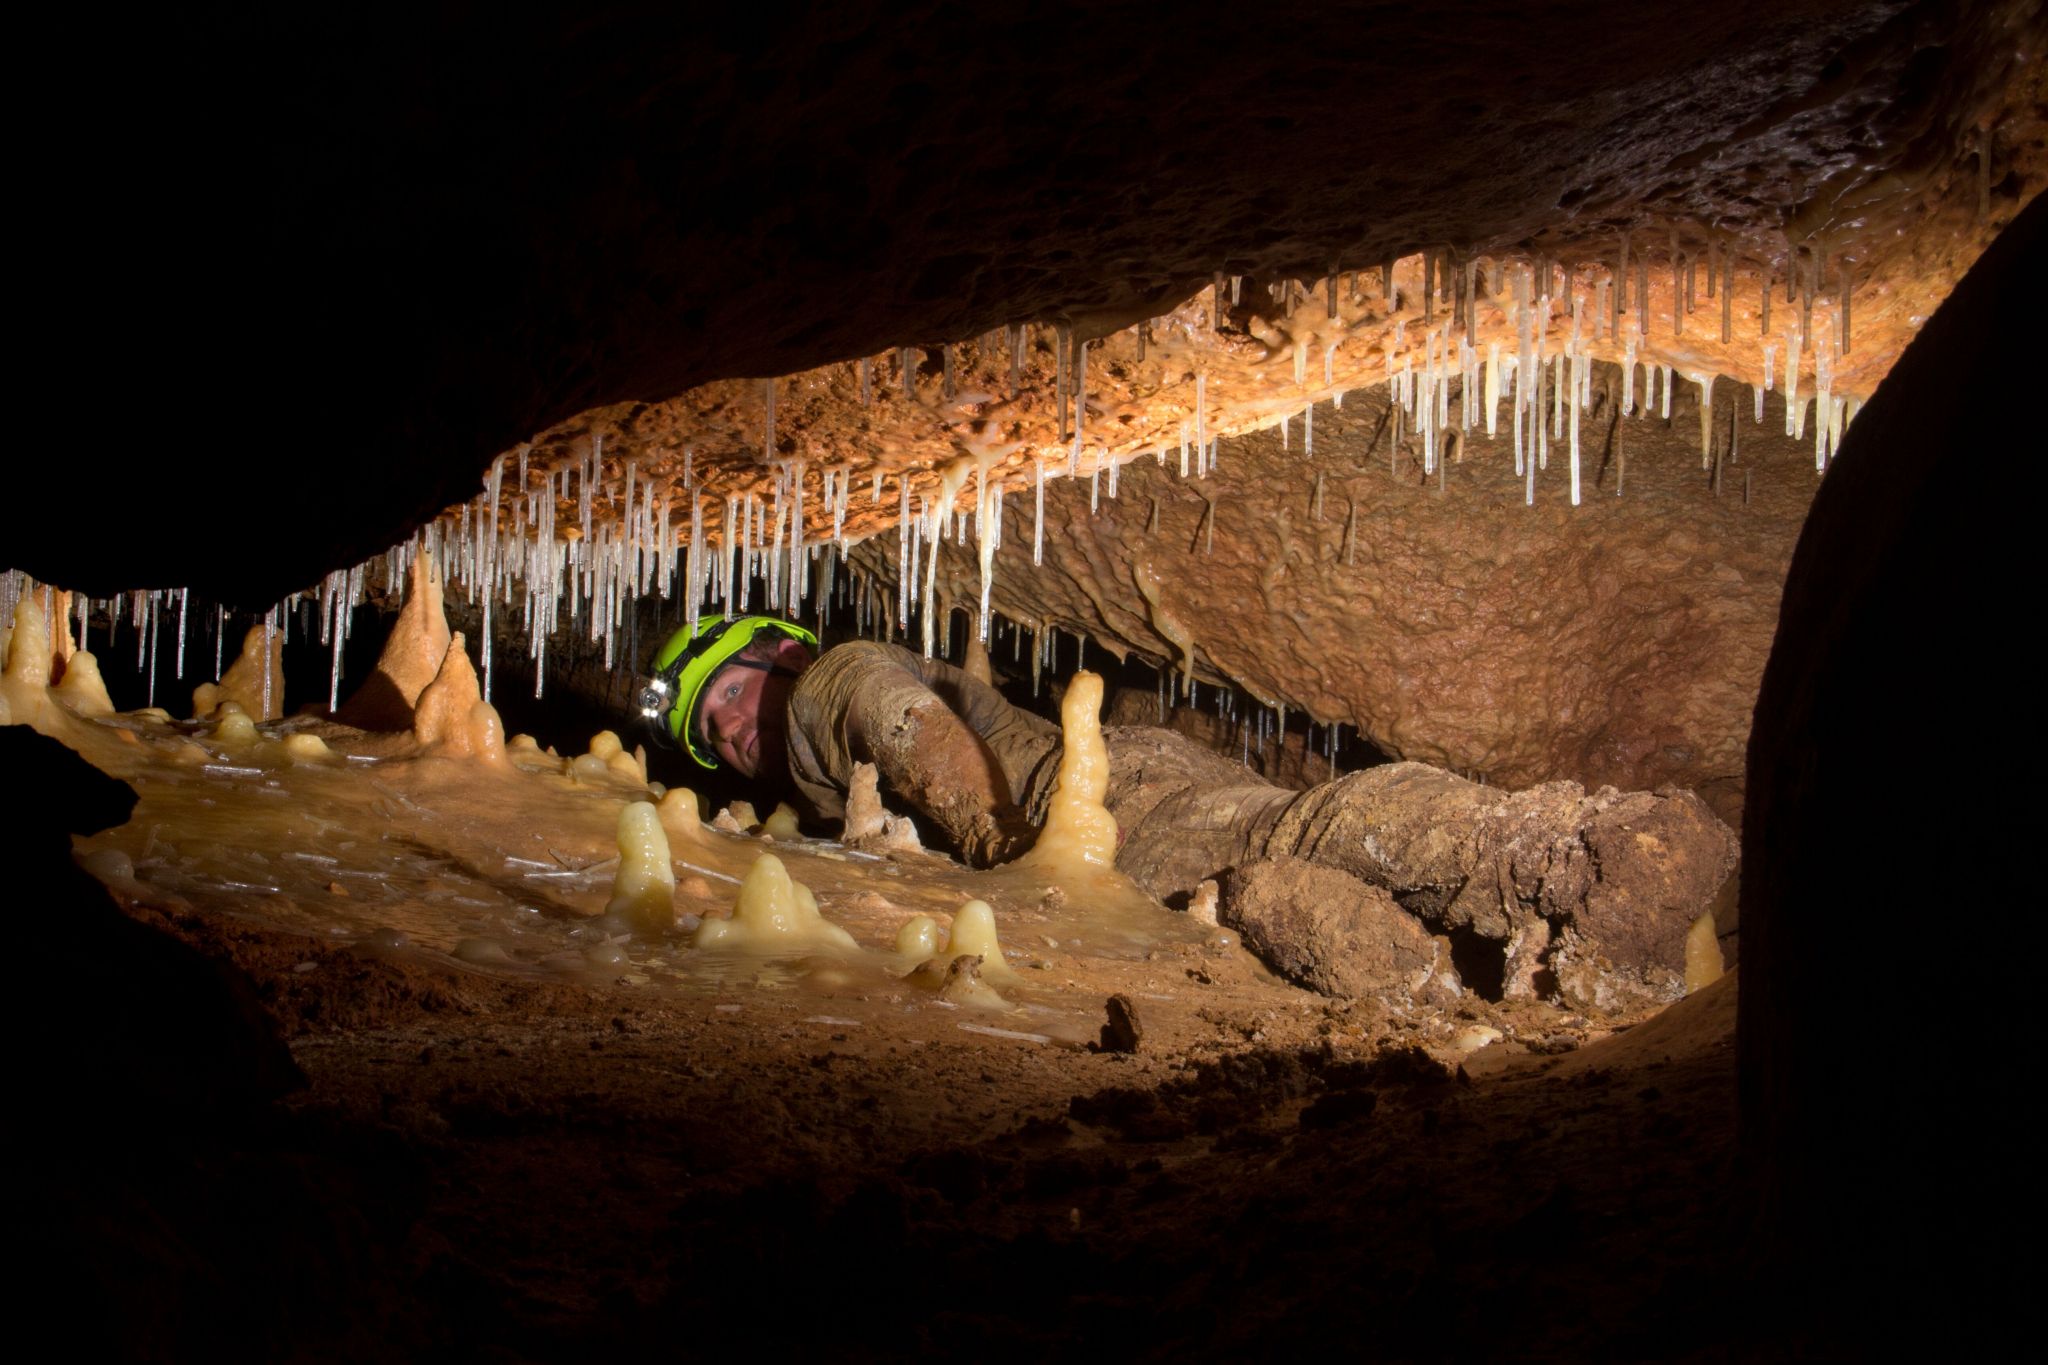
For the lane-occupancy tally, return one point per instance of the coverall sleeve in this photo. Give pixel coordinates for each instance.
(946, 743)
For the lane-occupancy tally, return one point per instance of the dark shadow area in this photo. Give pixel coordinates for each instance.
(1885, 1159)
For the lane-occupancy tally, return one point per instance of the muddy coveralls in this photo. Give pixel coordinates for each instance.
(1628, 872)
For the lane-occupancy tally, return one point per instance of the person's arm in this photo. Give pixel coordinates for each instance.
(860, 702)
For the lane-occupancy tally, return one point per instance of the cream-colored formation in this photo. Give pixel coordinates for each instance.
(451, 718)
(869, 826)
(28, 644)
(608, 759)
(254, 681)
(920, 938)
(774, 913)
(1079, 830)
(1704, 964)
(973, 935)
(678, 810)
(304, 748)
(644, 889)
(781, 822)
(232, 725)
(25, 680)
(961, 984)
(411, 660)
(82, 688)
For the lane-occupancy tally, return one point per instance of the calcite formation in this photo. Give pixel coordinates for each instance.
(1078, 832)
(644, 889)
(254, 682)
(412, 656)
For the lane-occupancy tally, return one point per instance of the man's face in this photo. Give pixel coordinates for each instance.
(742, 713)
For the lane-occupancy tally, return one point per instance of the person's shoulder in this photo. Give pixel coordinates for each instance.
(859, 651)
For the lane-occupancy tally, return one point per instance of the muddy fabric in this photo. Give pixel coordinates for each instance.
(1184, 814)
(1628, 871)
(942, 740)
(1333, 933)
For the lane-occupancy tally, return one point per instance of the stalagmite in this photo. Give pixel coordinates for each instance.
(678, 811)
(919, 939)
(29, 656)
(781, 822)
(773, 914)
(233, 726)
(974, 931)
(868, 826)
(308, 749)
(82, 689)
(254, 681)
(452, 719)
(973, 935)
(960, 983)
(1079, 830)
(632, 767)
(412, 657)
(1704, 964)
(644, 888)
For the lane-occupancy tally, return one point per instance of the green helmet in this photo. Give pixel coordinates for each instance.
(684, 666)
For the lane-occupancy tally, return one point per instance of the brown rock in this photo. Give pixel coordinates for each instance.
(1122, 1031)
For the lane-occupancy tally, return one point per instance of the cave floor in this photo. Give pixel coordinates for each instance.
(552, 1171)
(569, 1149)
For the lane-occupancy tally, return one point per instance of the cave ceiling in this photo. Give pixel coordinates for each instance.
(595, 308)
(334, 265)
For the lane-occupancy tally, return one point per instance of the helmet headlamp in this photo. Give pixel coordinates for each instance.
(686, 664)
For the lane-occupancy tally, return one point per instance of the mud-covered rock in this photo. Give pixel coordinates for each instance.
(1122, 1030)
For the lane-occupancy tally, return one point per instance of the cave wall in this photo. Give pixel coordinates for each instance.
(1885, 834)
